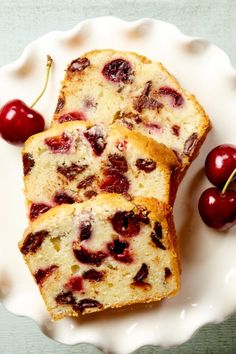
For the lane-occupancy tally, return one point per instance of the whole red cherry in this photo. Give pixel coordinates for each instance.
(217, 209)
(18, 121)
(220, 163)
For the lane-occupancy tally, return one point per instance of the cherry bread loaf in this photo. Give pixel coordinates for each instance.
(107, 86)
(75, 161)
(104, 253)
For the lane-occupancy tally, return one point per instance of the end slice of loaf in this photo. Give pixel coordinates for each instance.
(108, 85)
(103, 253)
(75, 161)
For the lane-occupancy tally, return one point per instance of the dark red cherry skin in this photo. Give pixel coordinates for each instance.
(218, 210)
(220, 163)
(18, 122)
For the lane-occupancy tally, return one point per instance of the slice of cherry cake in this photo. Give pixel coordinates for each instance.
(75, 161)
(104, 253)
(107, 85)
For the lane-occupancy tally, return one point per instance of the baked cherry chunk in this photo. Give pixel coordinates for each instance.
(118, 70)
(118, 163)
(177, 98)
(63, 198)
(86, 182)
(33, 241)
(119, 250)
(65, 298)
(85, 230)
(93, 275)
(71, 116)
(147, 100)
(157, 235)
(115, 183)
(96, 139)
(28, 163)
(59, 144)
(142, 274)
(86, 304)
(126, 223)
(37, 209)
(146, 165)
(42, 274)
(79, 64)
(85, 256)
(190, 143)
(71, 171)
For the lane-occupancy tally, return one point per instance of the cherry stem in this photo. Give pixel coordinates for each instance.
(229, 180)
(48, 68)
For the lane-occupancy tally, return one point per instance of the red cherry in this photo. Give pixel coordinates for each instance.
(220, 163)
(18, 122)
(217, 209)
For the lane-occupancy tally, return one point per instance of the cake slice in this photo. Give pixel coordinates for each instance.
(75, 161)
(104, 253)
(106, 86)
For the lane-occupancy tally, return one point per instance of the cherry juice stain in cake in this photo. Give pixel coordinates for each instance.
(59, 144)
(96, 139)
(72, 116)
(75, 283)
(118, 70)
(177, 98)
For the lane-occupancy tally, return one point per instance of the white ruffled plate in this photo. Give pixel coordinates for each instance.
(208, 257)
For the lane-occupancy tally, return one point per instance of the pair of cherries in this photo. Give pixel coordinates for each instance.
(217, 205)
(19, 121)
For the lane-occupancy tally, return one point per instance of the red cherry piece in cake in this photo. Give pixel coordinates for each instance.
(60, 104)
(190, 144)
(63, 198)
(33, 241)
(72, 116)
(59, 144)
(42, 274)
(79, 64)
(145, 100)
(86, 304)
(167, 272)
(119, 250)
(37, 209)
(157, 236)
(85, 230)
(65, 298)
(118, 163)
(175, 129)
(115, 183)
(142, 274)
(96, 139)
(75, 283)
(118, 70)
(86, 182)
(88, 257)
(90, 194)
(71, 171)
(176, 96)
(93, 275)
(28, 163)
(146, 165)
(126, 223)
